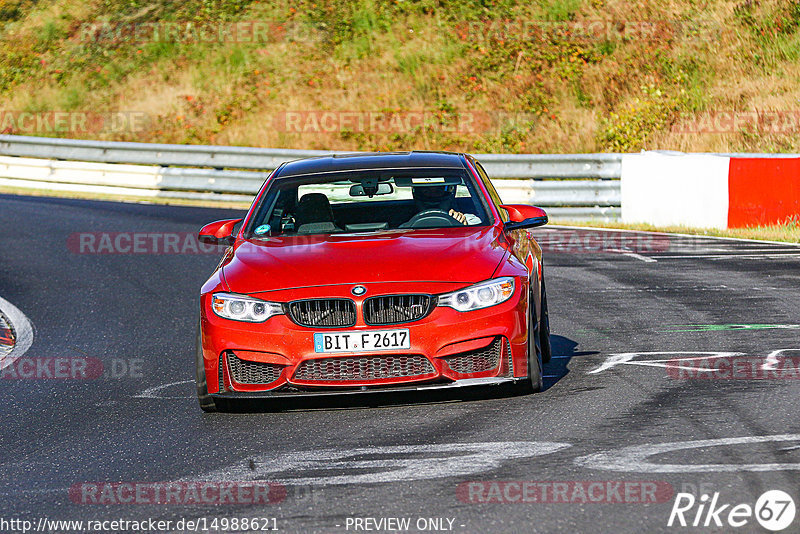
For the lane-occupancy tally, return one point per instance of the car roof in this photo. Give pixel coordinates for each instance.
(371, 160)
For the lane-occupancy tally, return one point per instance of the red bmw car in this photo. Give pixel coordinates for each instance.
(373, 272)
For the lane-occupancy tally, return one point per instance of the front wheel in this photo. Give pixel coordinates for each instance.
(544, 328)
(534, 381)
(207, 403)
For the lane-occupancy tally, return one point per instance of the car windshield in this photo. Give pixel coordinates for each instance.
(368, 201)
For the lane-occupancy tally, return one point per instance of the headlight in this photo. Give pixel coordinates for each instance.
(242, 308)
(483, 295)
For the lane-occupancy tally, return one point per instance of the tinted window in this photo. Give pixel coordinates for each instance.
(369, 201)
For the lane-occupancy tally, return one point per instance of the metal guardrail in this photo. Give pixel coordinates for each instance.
(595, 166)
(571, 186)
(552, 166)
(219, 157)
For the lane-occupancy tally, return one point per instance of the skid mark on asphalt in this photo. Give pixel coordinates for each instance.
(385, 464)
(637, 457)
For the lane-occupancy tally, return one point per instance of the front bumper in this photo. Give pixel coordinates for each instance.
(280, 348)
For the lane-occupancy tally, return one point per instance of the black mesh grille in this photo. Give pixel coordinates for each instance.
(363, 368)
(396, 309)
(477, 361)
(246, 372)
(323, 312)
(221, 380)
(510, 360)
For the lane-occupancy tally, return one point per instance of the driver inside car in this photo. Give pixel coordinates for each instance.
(441, 197)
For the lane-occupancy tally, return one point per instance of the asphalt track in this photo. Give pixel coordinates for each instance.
(407, 456)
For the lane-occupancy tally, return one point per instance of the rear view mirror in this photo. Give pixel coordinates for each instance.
(523, 216)
(219, 232)
(363, 190)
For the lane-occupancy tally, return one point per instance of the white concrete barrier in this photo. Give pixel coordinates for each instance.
(677, 189)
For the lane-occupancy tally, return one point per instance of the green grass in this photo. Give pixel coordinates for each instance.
(604, 92)
(560, 10)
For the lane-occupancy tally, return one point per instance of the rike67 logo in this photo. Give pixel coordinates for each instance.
(774, 510)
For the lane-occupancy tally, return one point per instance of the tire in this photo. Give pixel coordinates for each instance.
(544, 328)
(534, 382)
(207, 402)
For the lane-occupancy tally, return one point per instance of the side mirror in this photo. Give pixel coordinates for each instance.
(219, 232)
(522, 216)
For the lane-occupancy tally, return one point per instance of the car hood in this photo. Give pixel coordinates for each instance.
(465, 255)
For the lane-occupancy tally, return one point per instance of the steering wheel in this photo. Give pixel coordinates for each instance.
(432, 218)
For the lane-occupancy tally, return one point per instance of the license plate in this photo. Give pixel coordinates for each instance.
(366, 341)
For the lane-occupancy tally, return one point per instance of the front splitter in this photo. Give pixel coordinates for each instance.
(458, 384)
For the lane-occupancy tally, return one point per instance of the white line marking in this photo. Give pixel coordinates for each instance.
(771, 361)
(626, 358)
(23, 330)
(636, 458)
(750, 250)
(630, 254)
(150, 393)
(640, 257)
(733, 255)
(384, 464)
